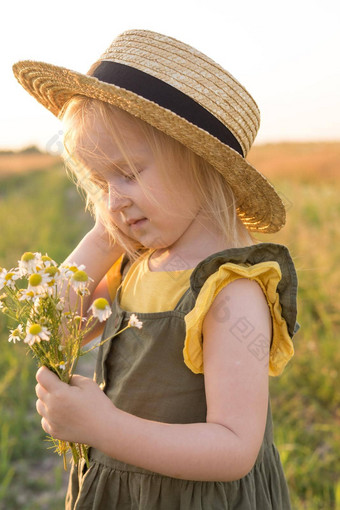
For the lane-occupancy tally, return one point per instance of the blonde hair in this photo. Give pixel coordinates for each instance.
(213, 193)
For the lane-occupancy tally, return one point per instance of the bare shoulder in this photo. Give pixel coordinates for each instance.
(244, 286)
(236, 341)
(241, 298)
(240, 316)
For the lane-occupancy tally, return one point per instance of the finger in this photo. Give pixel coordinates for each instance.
(79, 380)
(40, 408)
(45, 426)
(40, 392)
(47, 379)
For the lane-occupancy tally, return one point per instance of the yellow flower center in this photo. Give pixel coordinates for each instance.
(80, 276)
(35, 329)
(35, 279)
(100, 303)
(72, 268)
(9, 276)
(51, 270)
(46, 258)
(16, 332)
(27, 256)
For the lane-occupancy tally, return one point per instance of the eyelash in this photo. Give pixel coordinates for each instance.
(132, 176)
(129, 177)
(103, 185)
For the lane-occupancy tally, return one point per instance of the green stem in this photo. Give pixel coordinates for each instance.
(75, 453)
(64, 461)
(106, 339)
(83, 449)
(73, 367)
(81, 313)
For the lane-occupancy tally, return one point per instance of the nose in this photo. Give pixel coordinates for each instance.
(116, 201)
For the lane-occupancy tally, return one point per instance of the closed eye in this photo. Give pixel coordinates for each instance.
(131, 176)
(101, 182)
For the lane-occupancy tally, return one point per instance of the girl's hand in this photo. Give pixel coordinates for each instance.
(71, 412)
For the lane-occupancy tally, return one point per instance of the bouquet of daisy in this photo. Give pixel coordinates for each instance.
(45, 302)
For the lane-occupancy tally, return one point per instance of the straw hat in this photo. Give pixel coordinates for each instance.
(181, 92)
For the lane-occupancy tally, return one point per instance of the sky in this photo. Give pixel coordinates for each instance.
(286, 54)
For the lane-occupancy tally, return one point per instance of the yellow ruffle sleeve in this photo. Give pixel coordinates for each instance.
(114, 277)
(267, 274)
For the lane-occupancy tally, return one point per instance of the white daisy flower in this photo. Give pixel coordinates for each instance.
(29, 263)
(100, 309)
(47, 261)
(36, 333)
(16, 334)
(62, 366)
(54, 279)
(53, 272)
(38, 283)
(69, 269)
(7, 278)
(79, 281)
(26, 295)
(134, 322)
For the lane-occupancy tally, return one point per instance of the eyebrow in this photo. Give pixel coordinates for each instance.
(114, 165)
(124, 162)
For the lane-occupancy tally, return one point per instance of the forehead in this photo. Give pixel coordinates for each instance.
(114, 141)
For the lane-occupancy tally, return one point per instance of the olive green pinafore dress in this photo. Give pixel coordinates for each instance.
(143, 373)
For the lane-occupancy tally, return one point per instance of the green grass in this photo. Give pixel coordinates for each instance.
(306, 398)
(39, 211)
(42, 211)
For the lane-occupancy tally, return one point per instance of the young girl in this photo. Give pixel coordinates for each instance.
(178, 415)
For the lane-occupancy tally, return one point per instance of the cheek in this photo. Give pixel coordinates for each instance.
(178, 195)
(119, 223)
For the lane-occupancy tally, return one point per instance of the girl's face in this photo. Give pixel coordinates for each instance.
(172, 221)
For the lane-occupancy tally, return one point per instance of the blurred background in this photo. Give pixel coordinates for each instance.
(287, 56)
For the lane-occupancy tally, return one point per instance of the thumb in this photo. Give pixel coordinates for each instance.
(47, 378)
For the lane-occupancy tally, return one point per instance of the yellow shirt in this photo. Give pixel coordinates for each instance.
(148, 291)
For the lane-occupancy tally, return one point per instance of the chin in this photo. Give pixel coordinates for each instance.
(156, 244)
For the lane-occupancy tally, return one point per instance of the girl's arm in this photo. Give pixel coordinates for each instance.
(98, 255)
(222, 449)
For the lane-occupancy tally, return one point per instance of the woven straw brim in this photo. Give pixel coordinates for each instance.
(258, 205)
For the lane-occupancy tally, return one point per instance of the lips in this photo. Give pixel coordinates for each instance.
(135, 223)
(132, 221)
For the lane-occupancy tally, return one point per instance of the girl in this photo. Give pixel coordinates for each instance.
(178, 415)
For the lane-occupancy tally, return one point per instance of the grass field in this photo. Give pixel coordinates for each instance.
(41, 211)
